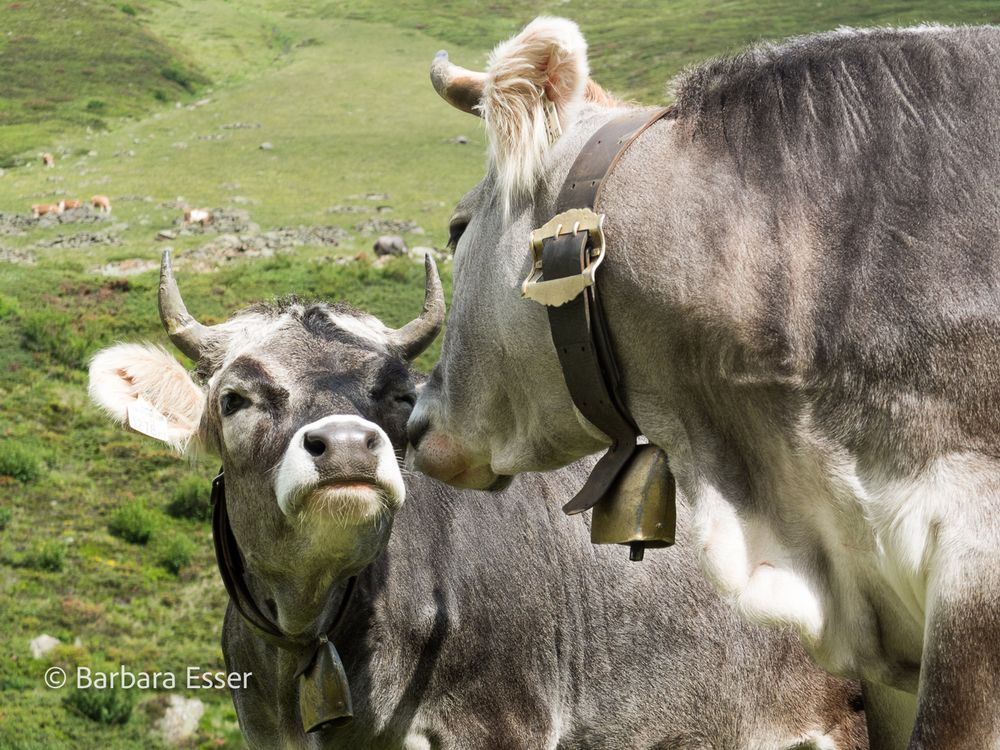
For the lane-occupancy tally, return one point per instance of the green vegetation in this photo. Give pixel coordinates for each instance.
(19, 461)
(105, 535)
(107, 706)
(191, 500)
(133, 522)
(176, 554)
(56, 57)
(46, 554)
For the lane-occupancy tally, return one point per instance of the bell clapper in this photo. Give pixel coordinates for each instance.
(636, 550)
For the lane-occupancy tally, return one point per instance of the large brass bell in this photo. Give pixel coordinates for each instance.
(324, 695)
(639, 510)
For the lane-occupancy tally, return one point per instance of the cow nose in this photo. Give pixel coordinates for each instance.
(346, 440)
(416, 428)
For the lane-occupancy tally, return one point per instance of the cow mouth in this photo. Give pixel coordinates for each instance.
(349, 499)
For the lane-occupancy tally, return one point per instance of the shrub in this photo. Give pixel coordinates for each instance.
(128, 10)
(109, 706)
(96, 106)
(191, 500)
(19, 461)
(49, 554)
(176, 74)
(52, 332)
(160, 95)
(176, 554)
(5, 515)
(133, 522)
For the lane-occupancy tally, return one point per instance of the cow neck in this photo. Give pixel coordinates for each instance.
(569, 250)
(323, 690)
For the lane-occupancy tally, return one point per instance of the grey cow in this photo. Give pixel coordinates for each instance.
(479, 622)
(803, 287)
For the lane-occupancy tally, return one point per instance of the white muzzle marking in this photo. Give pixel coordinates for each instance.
(297, 477)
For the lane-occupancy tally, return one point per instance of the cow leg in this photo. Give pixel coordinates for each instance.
(959, 707)
(890, 715)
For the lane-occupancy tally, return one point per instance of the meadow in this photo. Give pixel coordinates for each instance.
(103, 536)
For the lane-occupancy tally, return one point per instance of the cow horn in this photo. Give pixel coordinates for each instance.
(418, 334)
(187, 333)
(461, 88)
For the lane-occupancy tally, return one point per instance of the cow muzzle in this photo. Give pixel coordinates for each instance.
(341, 466)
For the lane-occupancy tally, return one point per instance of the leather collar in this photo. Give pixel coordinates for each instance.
(319, 669)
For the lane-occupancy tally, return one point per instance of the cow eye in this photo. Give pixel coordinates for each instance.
(408, 398)
(232, 402)
(455, 231)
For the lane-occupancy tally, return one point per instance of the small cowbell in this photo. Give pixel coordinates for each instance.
(639, 510)
(324, 695)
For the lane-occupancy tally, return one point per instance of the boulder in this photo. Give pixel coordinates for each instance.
(389, 244)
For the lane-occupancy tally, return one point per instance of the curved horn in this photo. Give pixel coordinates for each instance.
(187, 333)
(461, 88)
(418, 334)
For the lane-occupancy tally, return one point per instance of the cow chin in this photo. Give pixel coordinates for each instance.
(441, 457)
(347, 502)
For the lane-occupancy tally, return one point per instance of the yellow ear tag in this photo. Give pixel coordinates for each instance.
(143, 417)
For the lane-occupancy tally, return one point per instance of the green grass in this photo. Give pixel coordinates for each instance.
(58, 57)
(341, 91)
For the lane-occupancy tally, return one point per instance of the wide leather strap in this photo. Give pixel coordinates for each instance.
(578, 327)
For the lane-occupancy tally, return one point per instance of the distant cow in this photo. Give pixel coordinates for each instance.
(480, 622)
(201, 216)
(41, 209)
(101, 202)
(48, 160)
(69, 204)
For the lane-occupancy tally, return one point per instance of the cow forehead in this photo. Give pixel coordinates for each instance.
(291, 335)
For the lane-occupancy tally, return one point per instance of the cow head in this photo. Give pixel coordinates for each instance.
(304, 404)
(496, 403)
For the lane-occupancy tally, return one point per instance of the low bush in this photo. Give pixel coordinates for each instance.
(177, 554)
(133, 522)
(49, 554)
(191, 499)
(109, 706)
(19, 461)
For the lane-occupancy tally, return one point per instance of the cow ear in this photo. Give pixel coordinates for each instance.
(144, 388)
(535, 83)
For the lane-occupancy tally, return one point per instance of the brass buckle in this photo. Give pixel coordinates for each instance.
(560, 291)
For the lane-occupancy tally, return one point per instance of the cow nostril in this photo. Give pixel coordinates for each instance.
(314, 446)
(372, 442)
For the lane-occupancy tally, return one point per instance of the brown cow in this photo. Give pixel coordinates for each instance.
(48, 159)
(70, 203)
(40, 209)
(101, 202)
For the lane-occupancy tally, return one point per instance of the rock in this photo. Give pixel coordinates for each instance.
(461, 140)
(180, 719)
(166, 234)
(2, 173)
(91, 153)
(388, 226)
(389, 244)
(266, 146)
(42, 645)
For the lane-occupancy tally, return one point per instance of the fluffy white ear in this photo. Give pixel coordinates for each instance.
(143, 387)
(535, 82)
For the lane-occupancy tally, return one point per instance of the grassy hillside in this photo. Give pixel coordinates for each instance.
(636, 47)
(76, 65)
(359, 146)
